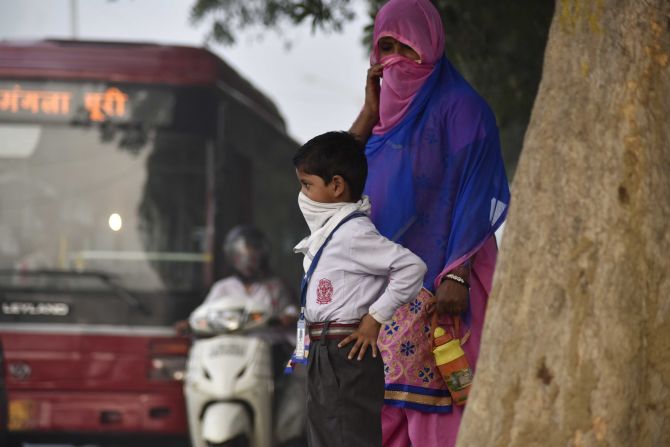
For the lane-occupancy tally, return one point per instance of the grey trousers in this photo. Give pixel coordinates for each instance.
(344, 397)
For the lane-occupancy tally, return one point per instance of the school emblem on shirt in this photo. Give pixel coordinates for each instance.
(324, 292)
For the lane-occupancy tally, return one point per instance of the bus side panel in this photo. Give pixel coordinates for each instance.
(82, 383)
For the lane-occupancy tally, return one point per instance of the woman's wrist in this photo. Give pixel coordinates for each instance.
(457, 279)
(460, 274)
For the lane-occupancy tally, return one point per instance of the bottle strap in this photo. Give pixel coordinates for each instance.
(455, 328)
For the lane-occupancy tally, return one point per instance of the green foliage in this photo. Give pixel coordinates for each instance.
(497, 45)
(233, 15)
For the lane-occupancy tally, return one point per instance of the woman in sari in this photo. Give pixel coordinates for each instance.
(438, 187)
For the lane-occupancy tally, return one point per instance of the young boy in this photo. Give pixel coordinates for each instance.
(358, 280)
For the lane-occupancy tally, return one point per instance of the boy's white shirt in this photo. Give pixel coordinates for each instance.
(360, 272)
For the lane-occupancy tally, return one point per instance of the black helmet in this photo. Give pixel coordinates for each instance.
(247, 252)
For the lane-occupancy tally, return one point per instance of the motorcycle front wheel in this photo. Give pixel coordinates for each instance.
(240, 441)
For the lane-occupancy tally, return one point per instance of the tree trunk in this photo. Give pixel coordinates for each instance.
(576, 348)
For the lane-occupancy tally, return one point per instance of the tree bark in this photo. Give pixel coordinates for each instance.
(576, 346)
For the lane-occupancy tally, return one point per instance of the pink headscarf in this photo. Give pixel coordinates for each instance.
(415, 23)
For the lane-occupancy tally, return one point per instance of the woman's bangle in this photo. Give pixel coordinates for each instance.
(454, 277)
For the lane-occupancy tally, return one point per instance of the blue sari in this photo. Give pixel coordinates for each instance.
(436, 180)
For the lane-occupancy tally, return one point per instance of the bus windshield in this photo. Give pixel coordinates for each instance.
(123, 197)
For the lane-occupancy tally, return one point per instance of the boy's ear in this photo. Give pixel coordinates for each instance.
(338, 186)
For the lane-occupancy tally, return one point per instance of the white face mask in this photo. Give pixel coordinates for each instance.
(316, 214)
(322, 218)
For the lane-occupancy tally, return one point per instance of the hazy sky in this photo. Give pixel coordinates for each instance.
(317, 84)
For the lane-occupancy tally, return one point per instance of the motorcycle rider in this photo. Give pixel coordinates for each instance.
(247, 253)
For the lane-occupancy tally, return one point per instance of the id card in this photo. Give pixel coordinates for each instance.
(300, 339)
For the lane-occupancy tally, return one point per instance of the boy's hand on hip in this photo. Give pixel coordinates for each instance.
(365, 336)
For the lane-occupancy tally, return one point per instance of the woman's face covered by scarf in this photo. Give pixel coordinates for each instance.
(408, 41)
(388, 46)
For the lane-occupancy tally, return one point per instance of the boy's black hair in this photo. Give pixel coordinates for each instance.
(335, 153)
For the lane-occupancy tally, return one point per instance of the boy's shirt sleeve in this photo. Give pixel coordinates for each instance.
(373, 254)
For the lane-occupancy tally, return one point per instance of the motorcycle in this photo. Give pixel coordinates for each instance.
(230, 378)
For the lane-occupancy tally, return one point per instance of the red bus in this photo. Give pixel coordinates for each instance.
(122, 166)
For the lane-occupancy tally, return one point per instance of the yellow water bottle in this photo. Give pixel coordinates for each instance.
(452, 363)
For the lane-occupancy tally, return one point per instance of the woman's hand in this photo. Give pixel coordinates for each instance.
(452, 296)
(369, 116)
(365, 336)
(372, 87)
